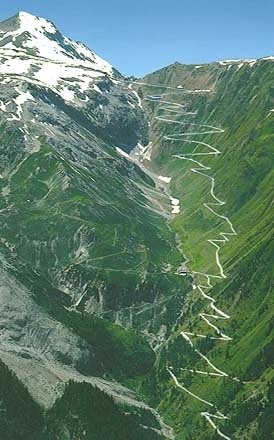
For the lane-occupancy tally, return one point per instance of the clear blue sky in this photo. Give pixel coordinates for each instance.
(140, 36)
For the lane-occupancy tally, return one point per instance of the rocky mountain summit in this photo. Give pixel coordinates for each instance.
(39, 63)
(82, 234)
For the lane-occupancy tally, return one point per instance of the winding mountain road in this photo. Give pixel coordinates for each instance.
(178, 110)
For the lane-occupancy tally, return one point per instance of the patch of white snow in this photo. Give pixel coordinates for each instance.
(138, 98)
(175, 203)
(123, 153)
(164, 179)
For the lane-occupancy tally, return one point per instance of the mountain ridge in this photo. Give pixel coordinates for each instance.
(108, 230)
(69, 291)
(241, 164)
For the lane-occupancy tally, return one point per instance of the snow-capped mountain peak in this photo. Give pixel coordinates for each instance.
(29, 21)
(39, 37)
(42, 70)
(34, 48)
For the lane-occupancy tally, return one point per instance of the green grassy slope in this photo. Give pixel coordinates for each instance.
(240, 104)
(87, 231)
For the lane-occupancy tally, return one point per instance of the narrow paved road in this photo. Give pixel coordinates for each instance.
(172, 110)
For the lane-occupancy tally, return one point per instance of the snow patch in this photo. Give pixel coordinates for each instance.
(30, 21)
(3, 107)
(97, 89)
(67, 95)
(224, 62)
(175, 204)
(123, 153)
(251, 62)
(16, 66)
(271, 58)
(164, 179)
(19, 101)
(138, 98)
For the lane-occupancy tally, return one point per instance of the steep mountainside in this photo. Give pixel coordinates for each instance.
(212, 135)
(136, 245)
(87, 257)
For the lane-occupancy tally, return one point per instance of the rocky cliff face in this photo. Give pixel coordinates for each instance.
(83, 234)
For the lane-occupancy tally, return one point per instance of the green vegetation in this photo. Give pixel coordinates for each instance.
(82, 231)
(240, 104)
(102, 239)
(86, 412)
(68, 238)
(20, 417)
(83, 411)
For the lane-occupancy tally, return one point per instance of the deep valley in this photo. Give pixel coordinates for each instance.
(136, 245)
